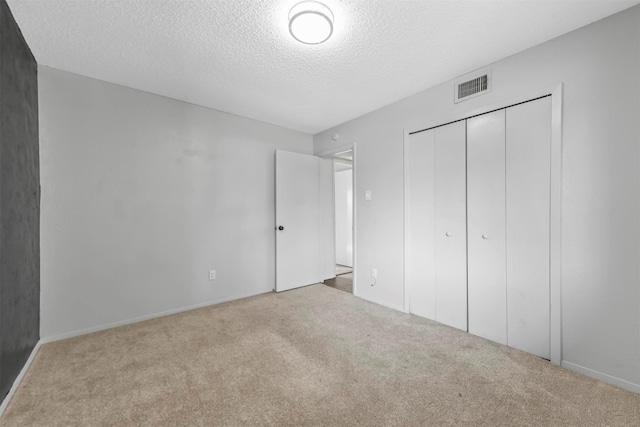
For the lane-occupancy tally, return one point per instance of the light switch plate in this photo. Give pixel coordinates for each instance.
(367, 195)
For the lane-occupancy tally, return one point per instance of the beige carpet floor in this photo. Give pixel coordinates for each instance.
(312, 356)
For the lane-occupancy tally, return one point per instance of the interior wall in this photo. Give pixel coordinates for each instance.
(344, 217)
(19, 202)
(142, 195)
(599, 67)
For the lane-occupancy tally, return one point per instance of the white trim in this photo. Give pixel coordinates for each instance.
(353, 219)
(328, 153)
(405, 229)
(385, 305)
(143, 318)
(18, 380)
(333, 216)
(623, 384)
(555, 243)
(335, 150)
(555, 229)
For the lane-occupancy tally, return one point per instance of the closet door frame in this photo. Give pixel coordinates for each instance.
(555, 223)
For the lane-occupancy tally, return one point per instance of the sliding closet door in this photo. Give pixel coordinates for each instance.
(451, 225)
(486, 226)
(528, 136)
(419, 247)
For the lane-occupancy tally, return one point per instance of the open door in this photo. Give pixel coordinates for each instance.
(301, 219)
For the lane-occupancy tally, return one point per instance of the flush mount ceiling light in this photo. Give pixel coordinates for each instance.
(310, 22)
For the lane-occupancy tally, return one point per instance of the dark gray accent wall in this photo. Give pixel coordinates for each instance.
(19, 202)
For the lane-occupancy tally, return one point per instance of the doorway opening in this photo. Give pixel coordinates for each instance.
(343, 210)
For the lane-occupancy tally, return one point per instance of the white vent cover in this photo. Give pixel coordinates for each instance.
(472, 85)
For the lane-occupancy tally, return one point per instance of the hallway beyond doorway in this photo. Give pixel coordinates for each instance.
(343, 280)
(343, 269)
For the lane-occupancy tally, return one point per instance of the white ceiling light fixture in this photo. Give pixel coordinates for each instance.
(311, 22)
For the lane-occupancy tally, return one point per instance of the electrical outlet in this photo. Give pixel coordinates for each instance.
(374, 273)
(212, 275)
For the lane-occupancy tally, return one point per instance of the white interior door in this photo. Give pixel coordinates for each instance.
(298, 260)
(528, 141)
(486, 226)
(451, 225)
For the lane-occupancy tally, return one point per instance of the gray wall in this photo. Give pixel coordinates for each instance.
(599, 66)
(142, 195)
(19, 202)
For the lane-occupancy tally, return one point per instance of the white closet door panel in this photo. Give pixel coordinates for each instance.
(486, 226)
(528, 141)
(451, 225)
(420, 282)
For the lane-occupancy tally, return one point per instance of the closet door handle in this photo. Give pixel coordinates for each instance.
(447, 234)
(485, 237)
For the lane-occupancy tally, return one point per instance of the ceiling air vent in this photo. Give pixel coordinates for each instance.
(472, 85)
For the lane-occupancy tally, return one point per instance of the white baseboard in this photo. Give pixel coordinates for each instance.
(19, 378)
(383, 304)
(93, 329)
(624, 384)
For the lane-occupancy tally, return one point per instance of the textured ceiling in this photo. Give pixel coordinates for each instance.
(237, 55)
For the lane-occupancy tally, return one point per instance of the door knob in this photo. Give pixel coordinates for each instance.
(281, 228)
(485, 237)
(447, 234)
